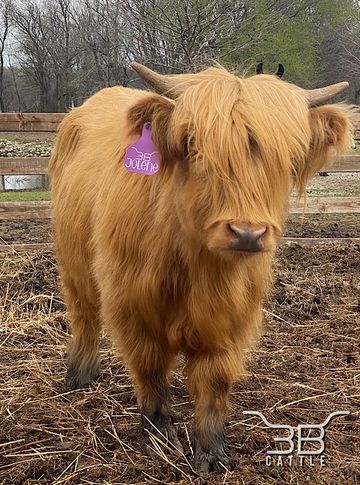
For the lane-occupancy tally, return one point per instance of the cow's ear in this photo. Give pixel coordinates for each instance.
(330, 127)
(150, 109)
(156, 110)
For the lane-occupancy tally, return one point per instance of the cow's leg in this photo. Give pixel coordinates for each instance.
(151, 364)
(145, 349)
(82, 352)
(210, 377)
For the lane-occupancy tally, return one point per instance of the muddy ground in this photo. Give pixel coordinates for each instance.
(306, 365)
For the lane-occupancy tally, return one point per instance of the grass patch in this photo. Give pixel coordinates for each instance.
(24, 195)
(27, 136)
(9, 137)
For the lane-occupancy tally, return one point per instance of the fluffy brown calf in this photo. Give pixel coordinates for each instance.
(179, 261)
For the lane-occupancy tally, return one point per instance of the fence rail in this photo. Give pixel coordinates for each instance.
(39, 165)
(23, 166)
(25, 210)
(313, 205)
(303, 241)
(35, 122)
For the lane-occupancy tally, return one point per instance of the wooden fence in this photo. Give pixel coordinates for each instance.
(48, 122)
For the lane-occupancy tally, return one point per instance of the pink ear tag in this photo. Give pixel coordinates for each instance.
(142, 156)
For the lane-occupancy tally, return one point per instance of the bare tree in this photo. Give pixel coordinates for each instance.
(33, 55)
(63, 49)
(15, 85)
(182, 36)
(339, 53)
(349, 43)
(179, 36)
(47, 50)
(67, 49)
(5, 23)
(102, 29)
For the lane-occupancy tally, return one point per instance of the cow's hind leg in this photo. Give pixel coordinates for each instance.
(82, 352)
(210, 377)
(151, 364)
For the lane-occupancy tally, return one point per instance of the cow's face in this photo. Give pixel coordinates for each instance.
(240, 146)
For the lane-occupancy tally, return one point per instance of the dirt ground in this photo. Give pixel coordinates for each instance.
(310, 225)
(306, 365)
(345, 184)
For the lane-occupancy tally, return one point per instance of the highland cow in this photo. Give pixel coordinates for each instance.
(178, 260)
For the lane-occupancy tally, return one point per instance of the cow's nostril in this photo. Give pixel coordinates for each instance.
(247, 238)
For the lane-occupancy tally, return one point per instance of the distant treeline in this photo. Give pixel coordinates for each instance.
(55, 53)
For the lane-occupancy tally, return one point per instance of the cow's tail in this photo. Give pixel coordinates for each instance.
(66, 143)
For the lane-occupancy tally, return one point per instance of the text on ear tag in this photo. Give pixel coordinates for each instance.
(142, 156)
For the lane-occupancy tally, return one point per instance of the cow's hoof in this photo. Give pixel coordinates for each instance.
(161, 430)
(214, 460)
(76, 379)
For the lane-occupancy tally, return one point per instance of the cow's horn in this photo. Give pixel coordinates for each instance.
(319, 96)
(162, 84)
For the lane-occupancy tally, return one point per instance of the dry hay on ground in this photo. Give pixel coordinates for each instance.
(306, 366)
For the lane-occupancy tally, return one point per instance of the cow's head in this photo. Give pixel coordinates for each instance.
(236, 147)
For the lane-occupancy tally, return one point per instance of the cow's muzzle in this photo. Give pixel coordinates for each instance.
(246, 237)
(241, 237)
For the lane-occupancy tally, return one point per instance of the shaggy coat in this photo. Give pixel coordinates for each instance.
(149, 256)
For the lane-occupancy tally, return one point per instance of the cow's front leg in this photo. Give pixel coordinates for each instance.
(151, 364)
(210, 377)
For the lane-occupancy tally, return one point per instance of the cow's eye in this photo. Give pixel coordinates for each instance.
(253, 144)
